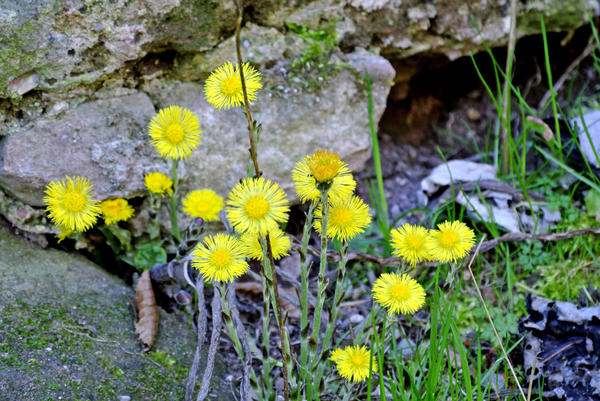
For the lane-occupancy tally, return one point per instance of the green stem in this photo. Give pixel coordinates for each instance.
(173, 206)
(380, 354)
(337, 298)
(271, 282)
(383, 216)
(304, 295)
(322, 285)
(266, 339)
(551, 88)
(233, 336)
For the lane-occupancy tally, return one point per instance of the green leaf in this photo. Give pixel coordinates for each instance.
(149, 255)
(592, 203)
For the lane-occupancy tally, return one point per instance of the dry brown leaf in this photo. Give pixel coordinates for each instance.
(147, 311)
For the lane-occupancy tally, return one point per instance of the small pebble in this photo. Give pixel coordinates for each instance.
(473, 114)
(356, 318)
(124, 398)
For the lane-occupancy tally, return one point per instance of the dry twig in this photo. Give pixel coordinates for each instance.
(333, 256)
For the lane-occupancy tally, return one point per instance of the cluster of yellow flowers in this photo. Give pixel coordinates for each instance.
(256, 207)
(72, 208)
(400, 293)
(348, 215)
(451, 241)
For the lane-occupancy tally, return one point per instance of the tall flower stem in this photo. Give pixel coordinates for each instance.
(233, 335)
(173, 205)
(304, 295)
(270, 280)
(322, 286)
(238, 27)
(266, 339)
(337, 299)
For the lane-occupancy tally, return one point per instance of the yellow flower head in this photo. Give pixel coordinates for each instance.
(409, 243)
(115, 210)
(451, 241)
(220, 258)
(324, 165)
(175, 132)
(70, 203)
(159, 183)
(257, 205)
(399, 293)
(204, 203)
(280, 244)
(347, 218)
(223, 88)
(353, 363)
(342, 185)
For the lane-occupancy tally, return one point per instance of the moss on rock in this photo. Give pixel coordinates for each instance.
(66, 332)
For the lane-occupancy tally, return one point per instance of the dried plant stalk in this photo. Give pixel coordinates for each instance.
(146, 325)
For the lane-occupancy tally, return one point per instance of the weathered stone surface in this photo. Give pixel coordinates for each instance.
(403, 28)
(293, 125)
(66, 332)
(105, 141)
(74, 70)
(69, 42)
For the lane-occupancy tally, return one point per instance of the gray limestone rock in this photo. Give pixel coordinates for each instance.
(106, 141)
(85, 77)
(66, 332)
(103, 140)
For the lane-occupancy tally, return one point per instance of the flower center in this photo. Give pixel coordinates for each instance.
(175, 133)
(231, 85)
(340, 217)
(221, 258)
(74, 202)
(399, 291)
(357, 360)
(202, 207)
(324, 166)
(257, 207)
(415, 242)
(114, 208)
(448, 239)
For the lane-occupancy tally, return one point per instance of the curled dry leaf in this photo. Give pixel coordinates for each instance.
(146, 324)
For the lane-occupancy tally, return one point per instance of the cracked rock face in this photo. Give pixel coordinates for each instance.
(106, 140)
(81, 80)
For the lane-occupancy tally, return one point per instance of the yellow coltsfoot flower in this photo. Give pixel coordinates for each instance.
(340, 177)
(409, 243)
(347, 218)
(70, 204)
(220, 258)
(353, 363)
(398, 293)
(115, 210)
(175, 132)
(204, 203)
(159, 184)
(223, 88)
(257, 205)
(450, 242)
(280, 245)
(324, 166)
